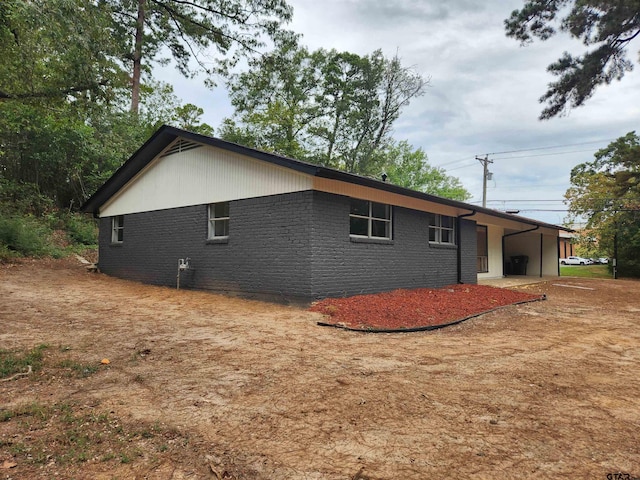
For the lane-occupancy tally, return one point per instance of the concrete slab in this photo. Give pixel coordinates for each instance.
(515, 280)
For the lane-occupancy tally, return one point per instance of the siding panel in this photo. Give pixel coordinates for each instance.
(200, 176)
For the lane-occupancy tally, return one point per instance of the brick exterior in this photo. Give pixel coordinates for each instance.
(288, 246)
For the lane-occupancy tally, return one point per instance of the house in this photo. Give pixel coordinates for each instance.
(567, 244)
(246, 221)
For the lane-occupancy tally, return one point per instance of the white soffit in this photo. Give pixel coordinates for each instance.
(383, 196)
(200, 175)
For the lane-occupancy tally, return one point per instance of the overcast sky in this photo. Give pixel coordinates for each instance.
(483, 94)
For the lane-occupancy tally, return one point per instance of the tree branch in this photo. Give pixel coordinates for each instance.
(52, 93)
(204, 8)
(215, 31)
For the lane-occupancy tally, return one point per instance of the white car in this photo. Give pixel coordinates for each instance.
(575, 261)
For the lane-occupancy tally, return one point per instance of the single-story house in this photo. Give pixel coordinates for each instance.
(240, 220)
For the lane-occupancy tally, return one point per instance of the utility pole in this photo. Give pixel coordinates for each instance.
(485, 174)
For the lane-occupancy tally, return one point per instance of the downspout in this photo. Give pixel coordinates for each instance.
(511, 235)
(458, 225)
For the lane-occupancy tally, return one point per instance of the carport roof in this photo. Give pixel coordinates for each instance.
(166, 135)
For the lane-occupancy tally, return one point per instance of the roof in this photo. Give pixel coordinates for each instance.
(165, 135)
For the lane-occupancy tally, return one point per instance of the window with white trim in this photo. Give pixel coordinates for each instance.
(117, 229)
(442, 229)
(218, 220)
(369, 219)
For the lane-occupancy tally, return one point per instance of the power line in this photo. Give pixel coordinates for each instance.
(511, 158)
(545, 154)
(528, 150)
(458, 168)
(455, 161)
(538, 200)
(549, 148)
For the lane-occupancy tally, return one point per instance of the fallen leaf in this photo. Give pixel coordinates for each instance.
(7, 464)
(105, 361)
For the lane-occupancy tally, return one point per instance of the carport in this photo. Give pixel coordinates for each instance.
(530, 252)
(510, 245)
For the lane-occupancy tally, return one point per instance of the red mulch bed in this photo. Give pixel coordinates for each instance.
(419, 309)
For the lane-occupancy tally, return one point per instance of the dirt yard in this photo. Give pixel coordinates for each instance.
(205, 386)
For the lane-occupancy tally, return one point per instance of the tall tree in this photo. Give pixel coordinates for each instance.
(606, 191)
(276, 100)
(409, 168)
(608, 25)
(191, 30)
(327, 107)
(55, 50)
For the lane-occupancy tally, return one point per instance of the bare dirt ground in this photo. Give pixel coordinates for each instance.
(206, 386)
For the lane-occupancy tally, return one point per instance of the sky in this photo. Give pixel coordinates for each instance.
(482, 96)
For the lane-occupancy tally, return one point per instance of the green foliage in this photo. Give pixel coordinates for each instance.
(161, 106)
(81, 229)
(606, 192)
(191, 31)
(30, 225)
(56, 49)
(409, 168)
(23, 198)
(22, 236)
(327, 107)
(609, 25)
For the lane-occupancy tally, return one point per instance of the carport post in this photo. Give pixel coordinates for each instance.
(541, 249)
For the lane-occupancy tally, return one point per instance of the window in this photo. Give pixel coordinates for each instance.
(117, 229)
(218, 220)
(442, 229)
(369, 219)
(483, 249)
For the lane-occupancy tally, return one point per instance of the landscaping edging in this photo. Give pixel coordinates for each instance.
(427, 327)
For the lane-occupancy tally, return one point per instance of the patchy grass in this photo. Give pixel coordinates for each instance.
(585, 271)
(43, 434)
(78, 369)
(12, 362)
(71, 434)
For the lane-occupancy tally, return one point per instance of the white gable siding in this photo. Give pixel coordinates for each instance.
(199, 176)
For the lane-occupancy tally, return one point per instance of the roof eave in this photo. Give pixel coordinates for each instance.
(165, 135)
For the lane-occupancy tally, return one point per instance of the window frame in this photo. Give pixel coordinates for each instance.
(117, 229)
(212, 219)
(370, 218)
(437, 228)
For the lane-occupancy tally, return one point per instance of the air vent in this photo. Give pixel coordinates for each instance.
(181, 145)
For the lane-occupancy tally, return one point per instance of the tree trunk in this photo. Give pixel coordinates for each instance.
(137, 58)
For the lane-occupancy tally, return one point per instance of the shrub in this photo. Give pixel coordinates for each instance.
(22, 236)
(81, 229)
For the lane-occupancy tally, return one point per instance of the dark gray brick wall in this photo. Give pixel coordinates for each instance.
(267, 251)
(344, 267)
(288, 246)
(469, 251)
